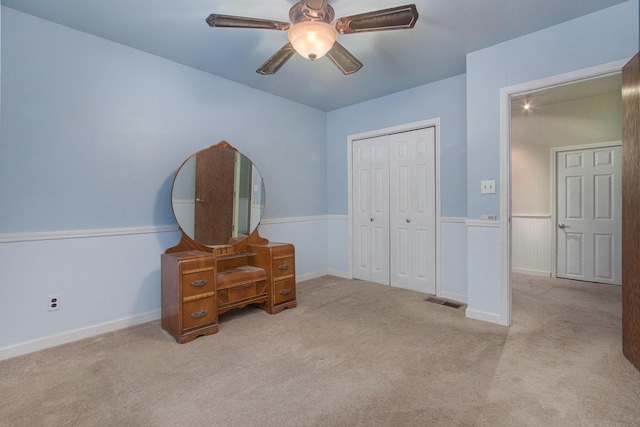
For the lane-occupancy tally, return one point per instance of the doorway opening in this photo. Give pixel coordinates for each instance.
(530, 98)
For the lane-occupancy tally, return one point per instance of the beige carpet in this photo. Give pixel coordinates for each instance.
(351, 354)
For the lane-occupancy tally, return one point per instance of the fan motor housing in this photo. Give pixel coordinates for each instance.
(297, 13)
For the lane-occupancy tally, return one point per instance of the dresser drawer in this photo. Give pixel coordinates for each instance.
(284, 290)
(241, 292)
(279, 259)
(283, 266)
(199, 282)
(199, 312)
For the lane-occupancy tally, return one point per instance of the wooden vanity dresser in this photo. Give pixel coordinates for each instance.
(202, 281)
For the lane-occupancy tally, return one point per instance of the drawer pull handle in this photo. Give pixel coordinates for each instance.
(285, 291)
(283, 267)
(199, 283)
(198, 314)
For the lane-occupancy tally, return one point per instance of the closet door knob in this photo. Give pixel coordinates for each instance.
(561, 226)
(408, 220)
(371, 219)
(199, 200)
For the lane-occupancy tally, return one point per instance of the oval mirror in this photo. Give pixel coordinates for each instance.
(218, 196)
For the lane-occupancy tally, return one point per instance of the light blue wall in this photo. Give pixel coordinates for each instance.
(602, 37)
(92, 134)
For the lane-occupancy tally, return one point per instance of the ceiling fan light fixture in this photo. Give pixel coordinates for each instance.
(312, 39)
(313, 31)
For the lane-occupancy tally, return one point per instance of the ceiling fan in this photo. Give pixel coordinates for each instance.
(313, 31)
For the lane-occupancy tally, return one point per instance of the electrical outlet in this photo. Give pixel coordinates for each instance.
(54, 302)
(487, 187)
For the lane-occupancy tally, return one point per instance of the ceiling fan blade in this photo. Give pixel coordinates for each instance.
(395, 18)
(274, 63)
(344, 60)
(228, 21)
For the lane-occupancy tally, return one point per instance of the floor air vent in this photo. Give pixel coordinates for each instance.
(443, 302)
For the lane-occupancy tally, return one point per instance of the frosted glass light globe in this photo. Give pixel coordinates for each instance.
(312, 39)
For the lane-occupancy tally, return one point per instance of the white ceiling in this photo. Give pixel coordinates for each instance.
(393, 60)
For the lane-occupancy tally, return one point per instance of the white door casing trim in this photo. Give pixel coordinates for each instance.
(505, 164)
(554, 189)
(435, 122)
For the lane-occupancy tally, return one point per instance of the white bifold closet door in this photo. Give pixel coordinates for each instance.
(371, 209)
(394, 210)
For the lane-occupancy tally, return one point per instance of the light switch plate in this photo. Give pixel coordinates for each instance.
(487, 187)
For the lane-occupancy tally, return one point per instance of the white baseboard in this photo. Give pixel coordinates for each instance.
(315, 275)
(309, 276)
(531, 272)
(486, 317)
(340, 274)
(76, 334)
(454, 297)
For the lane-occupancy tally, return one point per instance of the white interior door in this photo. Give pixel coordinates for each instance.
(412, 210)
(589, 214)
(371, 209)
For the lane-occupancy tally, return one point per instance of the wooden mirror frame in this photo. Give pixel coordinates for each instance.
(188, 244)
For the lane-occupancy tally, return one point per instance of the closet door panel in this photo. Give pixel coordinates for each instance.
(379, 254)
(401, 257)
(361, 265)
(412, 165)
(401, 240)
(424, 212)
(379, 149)
(421, 270)
(360, 209)
(371, 209)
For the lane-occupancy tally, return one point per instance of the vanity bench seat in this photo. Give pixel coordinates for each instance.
(239, 286)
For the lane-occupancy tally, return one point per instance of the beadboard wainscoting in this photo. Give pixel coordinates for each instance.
(108, 279)
(486, 297)
(338, 238)
(531, 244)
(308, 235)
(453, 259)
